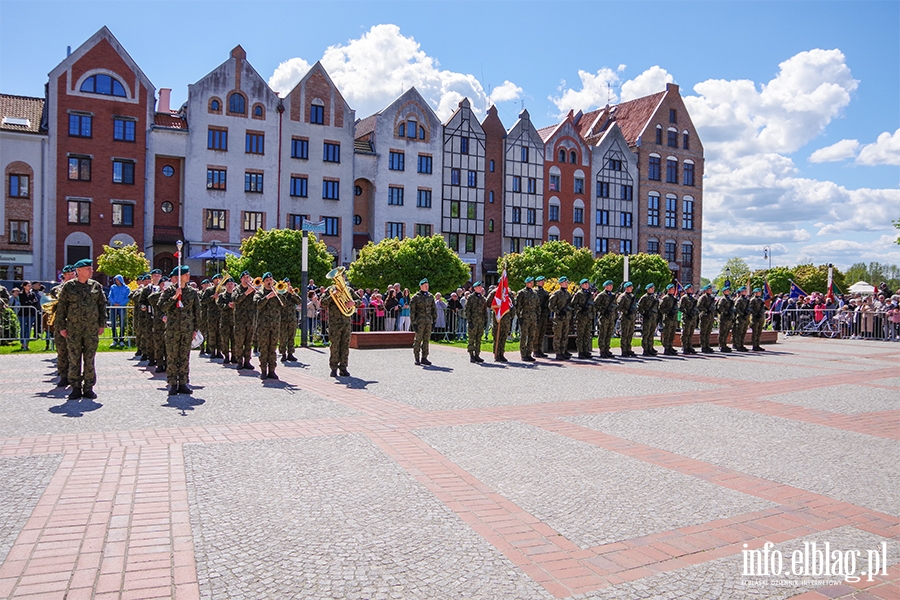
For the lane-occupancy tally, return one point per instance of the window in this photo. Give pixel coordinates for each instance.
(423, 230)
(671, 212)
(421, 133)
(454, 209)
(123, 214)
(672, 139)
(299, 187)
(357, 219)
(687, 215)
(671, 171)
(659, 134)
(491, 166)
(653, 210)
(215, 219)
(253, 221)
(652, 246)
(578, 215)
(80, 125)
(395, 196)
(168, 171)
(515, 244)
(80, 168)
(553, 237)
(253, 182)
(18, 232)
(331, 189)
(627, 192)
(425, 163)
(685, 141)
(614, 164)
(562, 156)
(573, 157)
(688, 173)
(237, 104)
(299, 148)
(123, 171)
(167, 207)
(529, 243)
(624, 246)
(401, 130)
(423, 198)
(215, 179)
(103, 84)
(411, 127)
(464, 145)
(332, 152)
(453, 241)
(601, 246)
(687, 254)
(470, 243)
(255, 143)
(317, 115)
(602, 217)
(79, 212)
(454, 176)
(214, 105)
(532, 185)
(394, 230)
(578, 241)
(18, 186)
(258, 111)
(217, 139)
(357, 190)
(123, 130)
(624, 219)
(517, 184)
(672, 116)
(516, 214)
(653, 169)
(472, 210)
(473, 179)
(579, 185)
(553, 213)
(531, 216)
(603, 189)
(670, 252)
(491, 225)
(295, 222)
(396, 161)
(491, 196)
(331, 226)
(524, 153)
(554, 183)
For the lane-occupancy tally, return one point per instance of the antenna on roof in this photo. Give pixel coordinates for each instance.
(608, 94)
(68, 51)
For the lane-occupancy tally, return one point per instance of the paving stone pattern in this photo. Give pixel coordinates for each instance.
(844, 399)
(22, 482)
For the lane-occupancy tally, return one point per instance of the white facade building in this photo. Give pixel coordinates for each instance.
(615, 207)
(523, 200)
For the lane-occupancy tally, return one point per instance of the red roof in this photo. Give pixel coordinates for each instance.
(632, 117)
(21, 113)
(171, 121)
(165, 234)
(365, 126)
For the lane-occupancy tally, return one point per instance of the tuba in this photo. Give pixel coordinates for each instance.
(340, 291)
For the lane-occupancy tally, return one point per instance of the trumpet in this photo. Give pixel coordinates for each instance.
(340, 292)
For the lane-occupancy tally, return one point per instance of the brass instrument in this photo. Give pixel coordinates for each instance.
(49, 309)
(257, 283)
(340, 291)
(221, 283)
(281, 287)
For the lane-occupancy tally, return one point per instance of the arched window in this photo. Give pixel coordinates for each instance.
(258, 111)
(237, 104)
(562, 156)
(411, 129)
(103, 84)
(215, 105)
(573, 157)
(421, 132)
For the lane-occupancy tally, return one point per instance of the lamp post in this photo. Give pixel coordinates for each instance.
(728, 276)
(767, 254)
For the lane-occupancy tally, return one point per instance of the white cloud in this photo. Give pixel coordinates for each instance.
(596, 90)
(649, 82)
(287, 75)
(838, 151)
(505, 92)
(843, 252)
(885, 151)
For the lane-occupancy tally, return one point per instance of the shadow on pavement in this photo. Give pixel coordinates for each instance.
(435, 368)
(183, 402)
(75, 408)
(355, 383)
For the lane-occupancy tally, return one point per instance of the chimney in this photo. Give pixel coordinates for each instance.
(162, 106)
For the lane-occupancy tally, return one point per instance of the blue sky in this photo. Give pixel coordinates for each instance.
(798, 103)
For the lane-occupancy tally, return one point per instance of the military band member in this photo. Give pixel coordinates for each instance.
(181, 305)
(226, 322)
(668, 310)
(422, 314)
(607, 314)
(244, 321)
(62, 350)
(725, 310)
(706, 306)
(560, 305)
(339, 328)
(583, 311)
(544, 317)
(212, 318)
(689, 314)
(205, 296)
(268, 326)
(757, 318)
(741, 319)
(627, 309)
(81, 314)
(501, 328)
(528, 311)
(476, 315)
(288, 321)
(648, 306)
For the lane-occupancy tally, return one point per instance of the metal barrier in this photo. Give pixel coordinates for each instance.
(27, 325)
(841, 323)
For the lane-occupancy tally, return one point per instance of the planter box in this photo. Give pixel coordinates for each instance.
(362, 340)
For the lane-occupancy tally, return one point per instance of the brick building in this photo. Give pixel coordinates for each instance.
(494, 150)
(567, 193)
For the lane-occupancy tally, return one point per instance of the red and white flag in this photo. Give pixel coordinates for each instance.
(502, 302)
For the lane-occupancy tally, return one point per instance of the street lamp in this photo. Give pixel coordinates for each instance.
(728, 276)
(767, 254)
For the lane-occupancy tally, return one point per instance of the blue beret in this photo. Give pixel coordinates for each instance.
(607, 282)
(156, 272)
(627, 284)
(706, 287)
(84, 262)
(229, 280)
(583, 281)
(742, 288)
(540, 278)
(757, 290)
(726, 287)
(646, 287)
(180, 271)
(68, 268)
(217, 276)
(476, 284)
(689, 286)
(563, 279)
(670, 286)
(164, 278)
(286, 280)
(205, 281)
(247, 273)
(267, 275)
(529, 279)
(423, 282)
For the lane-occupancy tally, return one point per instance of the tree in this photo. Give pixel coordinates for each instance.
(550, 259)
(857, 272)
(642, 269)
(740, 272)
(779, 279)
(280, 251)
(127, 261)
(815, 279)
(897, 226)
(407, 262)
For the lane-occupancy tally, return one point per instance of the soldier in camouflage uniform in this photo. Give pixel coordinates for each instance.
(528, 311)
(137, 317)
(560, 306)
(689, 314)
(244, 321)
(158, 327)
(212, 318)
(741, 319)
(725, 310)
(668, 310)
(422, 314)
(288, 322)
(583, 310)
(62, 351)
(205, 294)
(81, 315)
(339, 328)
(648, 306)
(544, 317)
(226, 322)
(500, 329)
(757, 318)
(706, 305)
(181, 305)
(476, 315)
(268, 326)
(607, 313)
(627, 308)
(147, 311)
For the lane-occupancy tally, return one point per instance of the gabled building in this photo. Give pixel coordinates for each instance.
(494, 152)
(567, 193)
(523, 197)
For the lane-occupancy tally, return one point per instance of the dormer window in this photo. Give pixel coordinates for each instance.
(237, 104)
(103, 84)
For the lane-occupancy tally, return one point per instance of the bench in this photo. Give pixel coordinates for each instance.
(362, 340)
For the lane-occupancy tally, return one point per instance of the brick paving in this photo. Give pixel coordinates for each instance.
(643, 478)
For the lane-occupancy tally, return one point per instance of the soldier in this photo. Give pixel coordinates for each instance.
(725, 310)
(62, 350)
(81, 315)
(544, 317)
(689, 315)
(226, 322)
(583, 310)
(757, 318)
(500, 329)
(158, 327)
(706, 306)
(138, 321)
(741, 319)
(339, 327)
(244, 321)
(205, 295)
(528, 311)
(627, 309)
(147, 312)
(560, 306)
(668, 309)
(268, 326)
(648, 306)
(212, 318)
(181, 305)
(288, 321)
(476, 315)
(422, 313)
(605, 306)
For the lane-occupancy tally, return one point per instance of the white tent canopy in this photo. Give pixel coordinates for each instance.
(861, 287)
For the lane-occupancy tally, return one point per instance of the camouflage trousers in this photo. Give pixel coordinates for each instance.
(758, 326)
(668, 333)
(178, 355)
(740, 331)
(243, 340)
(687, 334)
(706, 326)
(339, 338)
(584, 338)
(267, 335)
(62, 353)
(528, 337)
(288, 335)
(226, 337)
(423, 336)
(474, 333)
(82, 347)
(158, 341)
(561, 334)
(648, 333)
(724, 330)
(606, 326)
(212, 325)
(501, 333)
(627, 335)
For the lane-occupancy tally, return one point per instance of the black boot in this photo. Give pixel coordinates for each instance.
(292, 358)
(75, 394)
(173, 390)
(88, 392)
(478, 359)
(263, 371)
(345, 373)
(63, 382)
(334, 373)
(184, 389)
(272, 374)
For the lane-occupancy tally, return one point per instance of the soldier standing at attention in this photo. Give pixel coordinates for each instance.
(147, 311)
(668, 308)
(528, 311)
(181, 305)
(476, 315)
(648, 306)
(422, 313)
(757, 318)
(689, 314)
(544, 317)
(226, 322)
(268, 326)
(627, 309)
(725, 310)
(205, 295)
(560, 306)
(158, 327)
(500, 329)
(605, 305)
(288, 321)
(244, 321)
(62, 351)
(706, 306)
(741, 319)
(339, 327)
(212, 318)
(137, 317)
(583, 309)
(81, 315)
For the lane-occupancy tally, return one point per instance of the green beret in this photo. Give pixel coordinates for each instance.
(156, 272)
(180, 271)
(607, 282)
(742, 288)
(583, 281)
(204, 282)
(706, 287)
(476, 284)
(164, 278)
(68, 268)
(217, 276)
(229, 280)
(423, 282)
(267, 275)
(689, 286)
(286, 280)
(563, 279)
(247, 273)
(84, 262)
(627, 284)
(540, 278)
(757, 290)
(529, 279)
(670, 286)
(646, 287)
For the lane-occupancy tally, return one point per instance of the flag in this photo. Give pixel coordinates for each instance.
(678, 288)
(177, 254)
(837, 290)
(767, 291)
(796, 292)
(502, 303)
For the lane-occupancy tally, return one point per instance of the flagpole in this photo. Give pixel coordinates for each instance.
(625, 277)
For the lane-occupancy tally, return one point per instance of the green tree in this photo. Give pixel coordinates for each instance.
(118, 259)
(815, 279)
(897, 226)
(704, 281)
(550, 259)
(740, 272)
(407, 262)
(642, 269)
(857, 272)
(780, 279)
(280, 251)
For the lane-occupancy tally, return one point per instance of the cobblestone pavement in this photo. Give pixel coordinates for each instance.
(706, 476)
